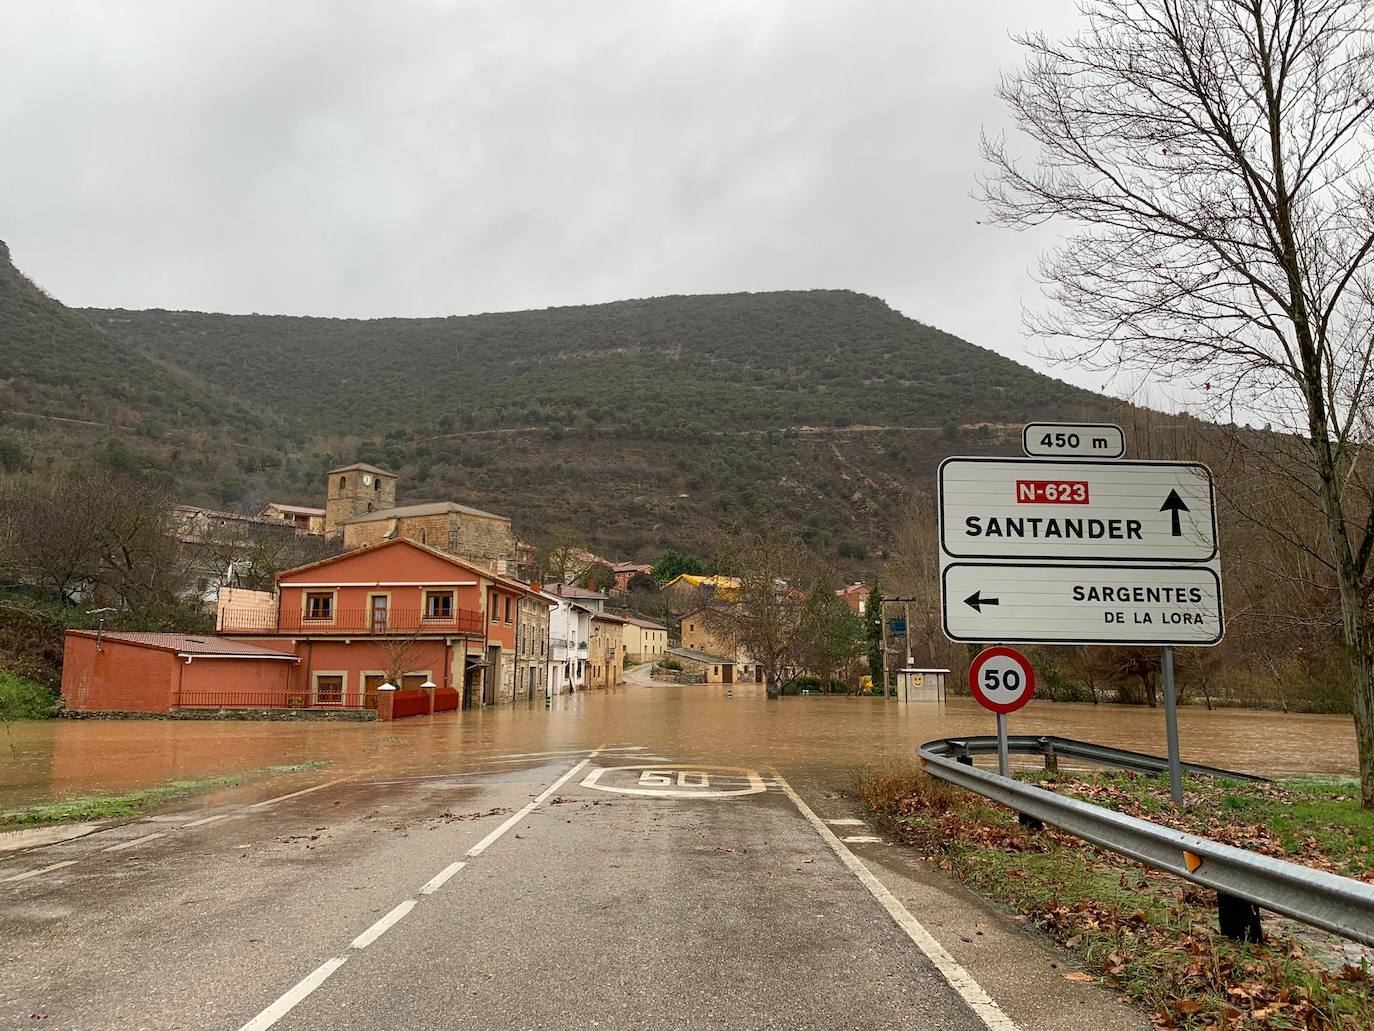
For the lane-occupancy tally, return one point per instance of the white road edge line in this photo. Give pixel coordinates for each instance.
(292, 998)
(136, 841)
(382, 926)
(959, 979)
(441, 878)
(294, 794)
(208, 819)
(491, 838)
(35, 873)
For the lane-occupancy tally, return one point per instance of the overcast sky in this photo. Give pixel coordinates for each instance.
(408, 158)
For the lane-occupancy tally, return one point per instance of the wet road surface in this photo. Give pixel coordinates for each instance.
(651, 857)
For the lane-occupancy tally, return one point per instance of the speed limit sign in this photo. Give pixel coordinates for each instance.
(1001, 679)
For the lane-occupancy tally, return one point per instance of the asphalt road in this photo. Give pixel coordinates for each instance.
(603, 888)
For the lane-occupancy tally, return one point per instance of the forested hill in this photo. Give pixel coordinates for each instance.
(734, 361)
(66, 386)
(639, 424)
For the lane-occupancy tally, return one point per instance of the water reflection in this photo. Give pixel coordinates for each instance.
(822, 739)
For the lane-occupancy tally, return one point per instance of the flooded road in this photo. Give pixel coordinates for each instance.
(823, 739)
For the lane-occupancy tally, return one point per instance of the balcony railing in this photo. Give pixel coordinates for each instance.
(352, 621)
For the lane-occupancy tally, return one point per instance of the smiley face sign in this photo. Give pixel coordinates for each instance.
(1001, 679)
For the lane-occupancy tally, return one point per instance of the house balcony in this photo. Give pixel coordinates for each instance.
(352, 623)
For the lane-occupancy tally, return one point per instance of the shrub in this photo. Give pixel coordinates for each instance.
(24, 699)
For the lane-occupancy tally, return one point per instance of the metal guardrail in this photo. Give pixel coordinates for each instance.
(1054, 748)
(1338, 904)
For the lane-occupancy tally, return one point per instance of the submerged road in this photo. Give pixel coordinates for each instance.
(609, 886)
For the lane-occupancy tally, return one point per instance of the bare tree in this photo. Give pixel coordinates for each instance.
(1216, 159)
(764, 618)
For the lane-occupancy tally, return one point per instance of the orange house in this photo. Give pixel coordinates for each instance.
(397, 609)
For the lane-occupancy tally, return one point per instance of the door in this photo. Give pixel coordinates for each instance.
(493, 676)
(379, 603)
(727, 673)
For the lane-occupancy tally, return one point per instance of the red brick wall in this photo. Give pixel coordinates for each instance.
(118, 678)
(396, 563)
(249, 678)
(357, 658)
(124, 677)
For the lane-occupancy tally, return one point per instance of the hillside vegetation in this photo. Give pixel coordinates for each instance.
(639, 424)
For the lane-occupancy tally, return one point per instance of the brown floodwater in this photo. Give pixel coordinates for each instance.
(822, 739)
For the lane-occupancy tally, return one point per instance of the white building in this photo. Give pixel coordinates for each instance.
(569, 633)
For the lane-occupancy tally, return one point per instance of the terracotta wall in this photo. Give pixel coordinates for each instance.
(123, 677)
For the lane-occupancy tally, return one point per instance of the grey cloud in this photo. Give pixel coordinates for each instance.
(372, 159)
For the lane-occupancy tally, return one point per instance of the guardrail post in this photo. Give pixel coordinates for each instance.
(1051, 759)
(1239, 918)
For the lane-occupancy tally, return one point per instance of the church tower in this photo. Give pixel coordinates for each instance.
(355, 489)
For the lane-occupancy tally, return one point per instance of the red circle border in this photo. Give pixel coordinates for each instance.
(976, 667)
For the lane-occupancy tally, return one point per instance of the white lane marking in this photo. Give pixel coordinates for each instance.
(35, 873)
(491, 838)
(846, 822)
(959, 979)
(136, 841)
(294, 794)
(438, 880)
(567, 752)
(292, 998)
(208, 819)
(862, 839)
(382, 926)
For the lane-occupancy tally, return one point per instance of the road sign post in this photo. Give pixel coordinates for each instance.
(1166, 663)
(1072, 546)
(1003, 680)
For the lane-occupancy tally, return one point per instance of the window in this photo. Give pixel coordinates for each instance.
(319, 605)
(508, 608)
(495, 608)
(329, 688)
(439, 605)
(343, 482)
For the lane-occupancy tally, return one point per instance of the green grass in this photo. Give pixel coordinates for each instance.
(24, 699)
(1150, 935)
(102, 806)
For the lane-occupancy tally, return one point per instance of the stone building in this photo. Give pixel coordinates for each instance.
(645, 640)
(469, 533)
(605, 651)
(303, 518)
(360, 508)
(532, 646)
(356, 489)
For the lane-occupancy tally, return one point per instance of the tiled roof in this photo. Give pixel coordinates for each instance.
(361, 467)
(648, 624)
(691, 653)
(188, 644)
(295, 509)
(569, 591)
(427, 509)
